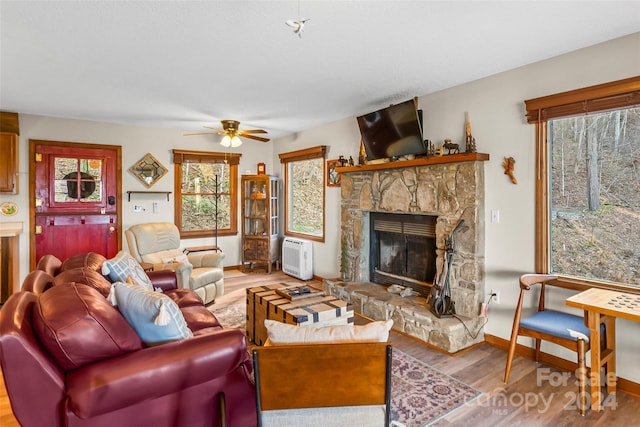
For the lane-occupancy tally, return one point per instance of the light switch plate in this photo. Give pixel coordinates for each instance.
(495, 216)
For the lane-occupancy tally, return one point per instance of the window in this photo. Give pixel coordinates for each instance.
(77, 180)
(304, 193)
(588, 184)
(206, 187)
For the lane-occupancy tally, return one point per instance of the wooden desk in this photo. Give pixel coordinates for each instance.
(603, 306)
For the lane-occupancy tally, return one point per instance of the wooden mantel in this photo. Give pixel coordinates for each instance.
(425, 161)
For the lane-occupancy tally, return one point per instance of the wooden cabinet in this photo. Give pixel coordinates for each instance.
(9, 259)
(8, 163)
(260, 222)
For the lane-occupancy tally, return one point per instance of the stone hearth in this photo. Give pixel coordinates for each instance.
(410, 315)
(450, 188)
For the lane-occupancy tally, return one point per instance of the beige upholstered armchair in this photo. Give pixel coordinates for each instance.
(158, 243)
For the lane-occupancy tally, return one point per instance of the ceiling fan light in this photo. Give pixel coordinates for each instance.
(226, 141)
(236, 142)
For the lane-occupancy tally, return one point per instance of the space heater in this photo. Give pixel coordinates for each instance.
(297, 258)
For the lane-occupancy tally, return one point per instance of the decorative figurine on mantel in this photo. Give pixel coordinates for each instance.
(448, 145)
(362, 155)
(470, 141)
(342, 160)
(431, 148)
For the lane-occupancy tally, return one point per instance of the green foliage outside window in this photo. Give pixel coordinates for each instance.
(595, 196)
(306, 195)
(199, 196)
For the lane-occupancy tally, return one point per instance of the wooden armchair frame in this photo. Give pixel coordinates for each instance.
(323, 375)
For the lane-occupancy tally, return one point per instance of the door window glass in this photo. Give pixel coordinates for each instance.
(77, 180)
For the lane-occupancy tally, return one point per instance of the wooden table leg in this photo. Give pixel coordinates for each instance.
(599, 311)
(610, 363)
(593, 320)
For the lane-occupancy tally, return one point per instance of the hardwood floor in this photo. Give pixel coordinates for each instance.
(6, 416)
(535, 396)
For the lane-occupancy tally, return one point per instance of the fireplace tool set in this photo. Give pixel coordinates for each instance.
(440, 298)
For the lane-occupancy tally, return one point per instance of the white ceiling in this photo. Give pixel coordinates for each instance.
(184, 64)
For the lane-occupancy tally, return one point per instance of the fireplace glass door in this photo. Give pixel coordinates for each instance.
(403, 249)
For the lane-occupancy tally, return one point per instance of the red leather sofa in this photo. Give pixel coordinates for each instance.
(94, 371)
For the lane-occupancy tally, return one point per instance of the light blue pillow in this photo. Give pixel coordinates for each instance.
(154, 316)
(122, 266)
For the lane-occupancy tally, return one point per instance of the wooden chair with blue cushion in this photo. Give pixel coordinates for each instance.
(567, 330)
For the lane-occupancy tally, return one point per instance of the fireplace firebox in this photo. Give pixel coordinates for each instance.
(403, 250)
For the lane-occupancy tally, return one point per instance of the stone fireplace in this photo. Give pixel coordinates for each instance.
(443, 190)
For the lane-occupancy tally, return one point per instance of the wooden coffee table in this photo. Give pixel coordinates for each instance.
(264, 303)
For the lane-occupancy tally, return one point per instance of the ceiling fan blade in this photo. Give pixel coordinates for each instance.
(202, 133)
(220, 131)
(230, 128)
(257, 138)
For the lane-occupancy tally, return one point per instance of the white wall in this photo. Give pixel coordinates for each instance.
(496, 109)
(341, 137)
(136, 141)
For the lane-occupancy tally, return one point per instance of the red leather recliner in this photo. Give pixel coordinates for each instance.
(200, 381)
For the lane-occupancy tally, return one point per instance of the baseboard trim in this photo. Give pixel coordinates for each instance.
(626, 386)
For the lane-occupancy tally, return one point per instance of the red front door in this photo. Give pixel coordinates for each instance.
(75, 193)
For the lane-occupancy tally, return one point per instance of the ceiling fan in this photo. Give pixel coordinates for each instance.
(232, 133)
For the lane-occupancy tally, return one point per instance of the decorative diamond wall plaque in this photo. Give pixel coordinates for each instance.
(148, 170)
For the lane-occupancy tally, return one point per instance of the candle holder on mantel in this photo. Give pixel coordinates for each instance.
(470, 141)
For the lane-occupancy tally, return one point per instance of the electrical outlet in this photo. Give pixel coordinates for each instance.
(494, 296)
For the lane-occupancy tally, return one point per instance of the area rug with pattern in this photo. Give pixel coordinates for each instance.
(420, 395)
(232, 316)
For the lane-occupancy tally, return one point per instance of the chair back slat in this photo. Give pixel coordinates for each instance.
(327, 375)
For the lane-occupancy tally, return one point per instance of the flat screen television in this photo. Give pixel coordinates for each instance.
(392, 132)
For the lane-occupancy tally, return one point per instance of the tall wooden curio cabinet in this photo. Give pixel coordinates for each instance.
(260, 224)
